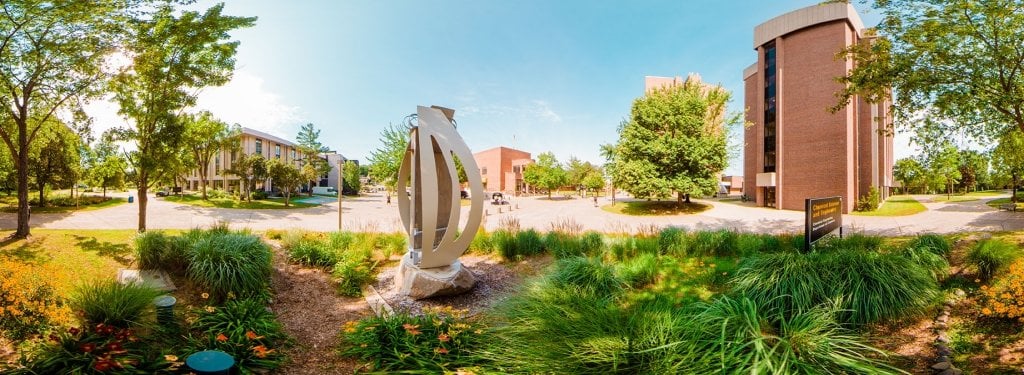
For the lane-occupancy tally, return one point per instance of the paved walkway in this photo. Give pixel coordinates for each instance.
(371, 213)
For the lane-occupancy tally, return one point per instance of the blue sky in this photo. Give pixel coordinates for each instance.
(534, 75)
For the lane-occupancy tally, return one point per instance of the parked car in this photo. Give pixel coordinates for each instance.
(464, 194)
(163, 193)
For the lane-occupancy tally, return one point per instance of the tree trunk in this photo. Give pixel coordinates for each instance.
(1013, 198)
(104, 191)
(23, 208)
(287, 196)
(202, 183)
(143, 181)
(42, 195)
(679, 197)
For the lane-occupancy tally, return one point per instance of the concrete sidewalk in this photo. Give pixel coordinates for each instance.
(372, 213)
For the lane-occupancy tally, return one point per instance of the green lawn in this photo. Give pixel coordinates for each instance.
(995, 203)
(972, 196)
(652, 208)
(262, 204)
(899, 205)
(72, 257)
(64, 204)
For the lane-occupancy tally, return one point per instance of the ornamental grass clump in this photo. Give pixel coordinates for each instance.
(935, 243)
(151, 247)
(869, 286)
(992, 256)
(639, 271)
(223, 263)
(713, 243)
(628, 247)
(112, 303)
(673, 241)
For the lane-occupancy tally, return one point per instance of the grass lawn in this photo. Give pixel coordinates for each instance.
(262, 204)
(995, 203)
(72, 257)
(652, 208)
(900, 205)
(10, 204)
(972, 196)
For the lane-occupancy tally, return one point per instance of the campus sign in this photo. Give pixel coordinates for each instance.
(824, 216)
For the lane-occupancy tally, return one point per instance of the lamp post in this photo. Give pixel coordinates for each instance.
(341, 186)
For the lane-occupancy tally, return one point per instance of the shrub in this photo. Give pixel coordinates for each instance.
(259, 195)
(430, 343)
(110, 302)
(529, 242)
(927, 258)
(482, 242)
(869, 201)
(991, 256)
(869, 286)
(97, 349)
(232, 262)
(28, 302)
(672, 240)
(352, 272)
(592, 243)
(629, 247)
(150, 248)
(246, 330)
(639, 271)
(394, 243)
(853, 242)
(1002, 298)
(933, 242)
(312, 253)
(743, 336)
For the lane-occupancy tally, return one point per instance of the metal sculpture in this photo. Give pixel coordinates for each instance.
(431, 209)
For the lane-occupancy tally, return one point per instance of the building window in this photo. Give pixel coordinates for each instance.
(277, 151)
(259, 146)
(770, 110)
(515, 169)
(234, 156)
(293, 154)
(216, 164)
(483, 170)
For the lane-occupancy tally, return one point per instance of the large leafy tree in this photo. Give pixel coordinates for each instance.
(286, 177)
(952, 65)
(547, 173)
(1008, 158)
(54, 159)
(607, 151)
(674, 142)
(52, 55)
(909, 172)
(173, 57)
(973, 167)
(944, 163)
(106, 167)
(311, 149)
(350, 178)
(205, 135)
(249, 169)
(385, 161)
(578, 170)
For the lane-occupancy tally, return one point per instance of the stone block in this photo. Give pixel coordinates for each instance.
(419, 283)
(156, 279)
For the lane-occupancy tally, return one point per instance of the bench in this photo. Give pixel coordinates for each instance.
(1008, 207)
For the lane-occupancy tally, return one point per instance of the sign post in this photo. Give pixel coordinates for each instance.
(824, 216)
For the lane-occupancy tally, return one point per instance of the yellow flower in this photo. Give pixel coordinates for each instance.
(205, 295)
(170, 358)
(210, 309)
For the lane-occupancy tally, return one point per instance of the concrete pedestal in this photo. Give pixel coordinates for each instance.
(419, 283)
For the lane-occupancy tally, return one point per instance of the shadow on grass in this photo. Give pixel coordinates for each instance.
(655, 208)
(23, 252)
(119, 252)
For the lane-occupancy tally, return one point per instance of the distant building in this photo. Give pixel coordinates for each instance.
(252, 142)
(733, 184)
(501, 169)
(334, 159)
(796, 148)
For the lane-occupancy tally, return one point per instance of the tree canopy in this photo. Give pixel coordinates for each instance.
(385, 160)
(954, 66)
(285, 177)
(547, 173)
(1008, 157)
(206, 135)
(674, 142)
(173, 57)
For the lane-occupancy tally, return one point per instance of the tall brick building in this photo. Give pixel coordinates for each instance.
(796, 148)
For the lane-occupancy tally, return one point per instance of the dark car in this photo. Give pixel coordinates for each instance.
(464, 194)
(163, 193)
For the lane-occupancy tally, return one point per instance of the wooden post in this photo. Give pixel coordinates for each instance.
(341, 187)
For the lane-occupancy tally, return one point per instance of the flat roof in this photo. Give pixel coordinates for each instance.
(266, 136)
(806, 17)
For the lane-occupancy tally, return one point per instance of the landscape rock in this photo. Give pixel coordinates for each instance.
(419, 283)
(951, 371)
(942, 366)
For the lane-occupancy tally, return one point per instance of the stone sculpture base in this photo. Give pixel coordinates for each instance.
(419, 283)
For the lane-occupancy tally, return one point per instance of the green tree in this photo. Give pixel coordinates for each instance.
(547, 173)
(385, 161)
(973, 167)
(173, 57)
(249, 169)
(952, 66)
(577, 171)
(311, 149)
(350, 178)
(1008, 158)
(51, 58)
(106, 167)
(910, 173)
(285, 177)
(674, 142)
(54, 159)
(944, 162)
(594, 181)
(205, 135)
(608, 153)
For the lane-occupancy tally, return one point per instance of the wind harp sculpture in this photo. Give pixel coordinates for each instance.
(431, 209)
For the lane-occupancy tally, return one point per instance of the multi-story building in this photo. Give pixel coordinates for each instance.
(251, 142)
(796, 148)
(501, 169)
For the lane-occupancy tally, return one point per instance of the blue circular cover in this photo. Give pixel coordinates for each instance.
(165, 301)
(210, 361)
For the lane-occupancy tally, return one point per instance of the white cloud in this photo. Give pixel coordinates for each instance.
(543, 110)
(245, 101)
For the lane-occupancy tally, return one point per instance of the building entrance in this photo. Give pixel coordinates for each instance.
(769, 196)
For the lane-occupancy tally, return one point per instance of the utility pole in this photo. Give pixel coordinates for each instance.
(341, 187)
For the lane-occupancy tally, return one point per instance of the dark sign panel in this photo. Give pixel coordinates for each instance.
(824, 215)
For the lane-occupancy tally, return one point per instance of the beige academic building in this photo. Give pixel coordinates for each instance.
(795, 148)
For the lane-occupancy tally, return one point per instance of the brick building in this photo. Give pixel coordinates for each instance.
(796, 148)
(502, 169)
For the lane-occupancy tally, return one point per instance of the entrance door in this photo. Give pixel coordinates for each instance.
(769, 196)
